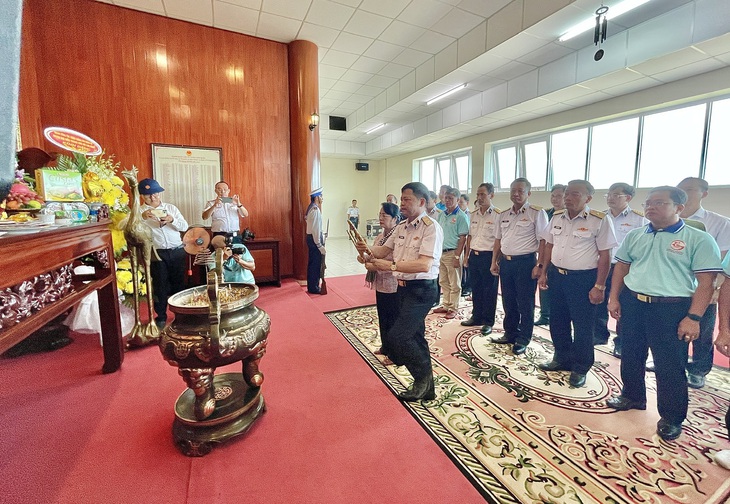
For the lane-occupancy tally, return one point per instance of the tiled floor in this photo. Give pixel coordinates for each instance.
(341, 258)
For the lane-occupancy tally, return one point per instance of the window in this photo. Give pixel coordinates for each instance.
(427, 173)
(718, 147)
(657, 148)
(506, 159)
(450, 169)
(536, 158)
(671, 146)
(613, 153)
(569, 155)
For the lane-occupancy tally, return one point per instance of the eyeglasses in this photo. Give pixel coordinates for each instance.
(614, 195)
(656, 204)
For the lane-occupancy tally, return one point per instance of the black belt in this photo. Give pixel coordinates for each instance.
(414, 283)
(226, 233)
(657, 299)
(521, 256)
(448, 250)
(564, 271)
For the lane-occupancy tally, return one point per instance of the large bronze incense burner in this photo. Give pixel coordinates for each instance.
(215, 325)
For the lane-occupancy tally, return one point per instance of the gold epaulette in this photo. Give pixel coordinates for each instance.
(558, 212)
(426, 220)
(535, 207)
(596, 213)
(497, 210)
(637, 212)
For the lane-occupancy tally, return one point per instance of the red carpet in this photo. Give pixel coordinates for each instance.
(332, 433)
(344, 292)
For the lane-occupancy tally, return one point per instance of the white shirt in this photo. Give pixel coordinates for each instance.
(422, 237)
(576, 242)
(168, 236)
(314, 226)
(624, 222)
(225, 217)
(353, 212)
(718, 226)
(482, 228)
(520, 232)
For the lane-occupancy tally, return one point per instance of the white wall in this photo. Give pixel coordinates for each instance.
(342, 184)
(397, 171)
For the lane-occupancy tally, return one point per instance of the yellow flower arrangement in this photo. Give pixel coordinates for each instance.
(124, 278)
(101, 184)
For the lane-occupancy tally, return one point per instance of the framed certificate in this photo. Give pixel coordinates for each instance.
(188, 175)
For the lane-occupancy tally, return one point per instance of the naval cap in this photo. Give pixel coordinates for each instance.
(316, 192)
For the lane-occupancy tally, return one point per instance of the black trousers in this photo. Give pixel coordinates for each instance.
(314, 266)
(484, 288)
(570, 305)
(387, 305)
(518, 298)
(654, 325)
(703, 351)
(168, 278)
(408, 333)
(545, 304)
(600, 328)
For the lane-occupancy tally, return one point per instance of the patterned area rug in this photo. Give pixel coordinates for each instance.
(522, 435)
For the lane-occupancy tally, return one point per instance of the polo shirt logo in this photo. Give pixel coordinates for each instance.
(678, 245)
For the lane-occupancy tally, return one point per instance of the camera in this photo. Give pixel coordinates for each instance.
(247, 235)
(237, 248)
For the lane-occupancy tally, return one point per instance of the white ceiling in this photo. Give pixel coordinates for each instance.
(381, 60)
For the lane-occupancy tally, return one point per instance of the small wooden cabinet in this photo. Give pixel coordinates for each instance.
(34, 272)
(266, 255)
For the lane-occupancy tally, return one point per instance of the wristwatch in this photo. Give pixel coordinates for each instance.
(600, 287)
(694, 317)
(393, 266)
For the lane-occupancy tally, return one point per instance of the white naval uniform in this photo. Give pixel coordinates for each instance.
(410, 240)
(576, 242)
(482, 229)
(624, 222)
(520, 232)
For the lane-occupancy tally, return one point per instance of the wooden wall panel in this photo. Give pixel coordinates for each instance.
(129, 79)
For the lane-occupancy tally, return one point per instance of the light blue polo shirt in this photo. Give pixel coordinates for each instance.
(664, 261)
(454, 224)
(726, 265)
(234, 272)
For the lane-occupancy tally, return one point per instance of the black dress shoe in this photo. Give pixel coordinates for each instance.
(577, 380)
(695, 380)
(519, 349)
(542, 321)
(667, 431)
(486, 329)
(622, 403)
(470, 322)
(421, 390)
(554, 366)
(503, 340)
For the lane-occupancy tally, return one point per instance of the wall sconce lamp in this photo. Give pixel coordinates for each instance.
(314, 121)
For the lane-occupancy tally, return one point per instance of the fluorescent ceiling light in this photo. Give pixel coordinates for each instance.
(590, 23)
(374, 128)
(447, 93)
